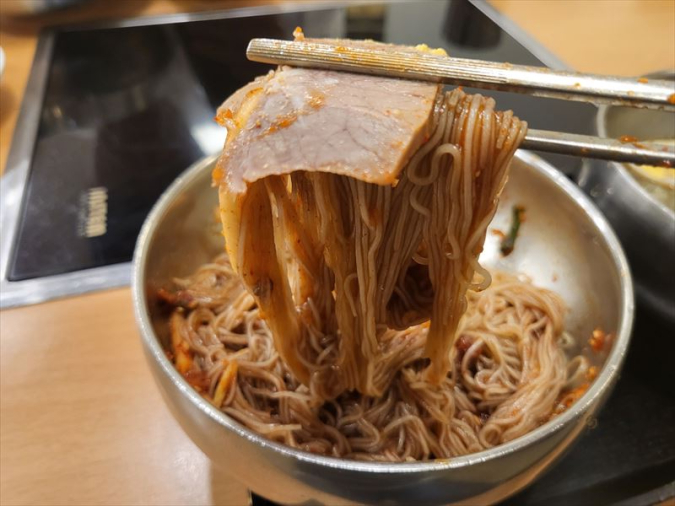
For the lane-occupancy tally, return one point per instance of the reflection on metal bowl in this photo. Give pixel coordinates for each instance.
(645, 225)
(566, 245)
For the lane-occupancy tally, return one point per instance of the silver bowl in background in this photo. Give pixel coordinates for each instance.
(565, 245)
(645, 226)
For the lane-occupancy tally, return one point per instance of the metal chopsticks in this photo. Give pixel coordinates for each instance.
(537, 81)
(588, 146)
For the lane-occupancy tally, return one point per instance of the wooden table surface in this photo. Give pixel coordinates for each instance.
(81, 421)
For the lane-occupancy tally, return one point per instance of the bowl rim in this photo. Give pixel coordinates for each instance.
(622, 167)
(594, 394)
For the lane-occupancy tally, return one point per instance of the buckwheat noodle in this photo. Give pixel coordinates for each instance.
(358, 322)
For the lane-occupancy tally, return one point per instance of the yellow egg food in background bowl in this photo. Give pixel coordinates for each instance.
(659, 182)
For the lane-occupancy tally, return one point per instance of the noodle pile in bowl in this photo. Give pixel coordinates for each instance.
(351, 317)
(510, 374)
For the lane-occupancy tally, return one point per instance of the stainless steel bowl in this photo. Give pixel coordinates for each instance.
(645, 226)
(565, 245)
